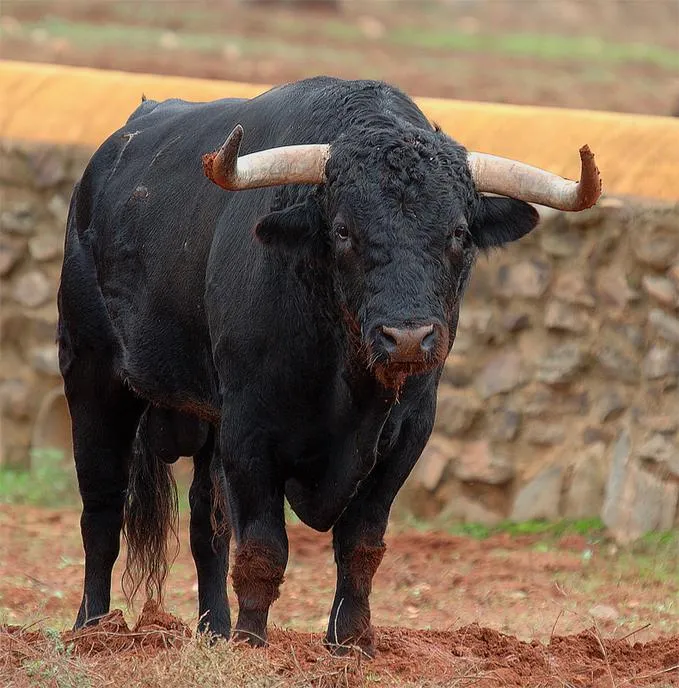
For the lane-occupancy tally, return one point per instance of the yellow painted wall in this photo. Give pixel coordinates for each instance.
(637, 155)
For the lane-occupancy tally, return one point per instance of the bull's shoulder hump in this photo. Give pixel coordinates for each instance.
(155, 125)
(173, 107)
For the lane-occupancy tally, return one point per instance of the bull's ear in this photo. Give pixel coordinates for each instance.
(290, 227)
(500, 220)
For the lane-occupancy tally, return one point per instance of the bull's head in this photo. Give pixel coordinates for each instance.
(400, 218)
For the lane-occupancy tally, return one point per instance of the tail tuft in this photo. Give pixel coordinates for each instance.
(151, 514)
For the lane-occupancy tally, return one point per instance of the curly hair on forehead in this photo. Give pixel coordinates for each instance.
(407, 163)
(411, 164)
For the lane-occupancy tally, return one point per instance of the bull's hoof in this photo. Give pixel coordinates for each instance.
(251, 627)
(252, 639)
(214, 630)
(364, 648)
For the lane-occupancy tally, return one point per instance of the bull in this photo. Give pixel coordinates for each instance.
(279, 308)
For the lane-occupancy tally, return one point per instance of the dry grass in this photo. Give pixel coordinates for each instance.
(27, 662)
(155, 657)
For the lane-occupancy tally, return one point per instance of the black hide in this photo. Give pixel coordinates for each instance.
(259, 320)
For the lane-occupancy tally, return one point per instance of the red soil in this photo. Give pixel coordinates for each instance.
(512, 611)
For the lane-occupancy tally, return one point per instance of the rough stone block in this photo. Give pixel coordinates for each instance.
(636, 501)
(478, 462)
(617, 364)
(44, 247)
(612, 287)
(662, 451)
(503, 373)
(527, 279)
(659, 247)
(456, 410)
(20, 219)
(32, 289)
(572, 287)
(585, 495)
(562, 316)
(15, 399)
(539, 498)
(545, 434)
(45, 360)
(503, 424)
(665, 325)
(48, 165)
(10, 255)
(661, 289)
(562, 363)
(609, 406)
(433, 462)
(660, 362)
(560, 244)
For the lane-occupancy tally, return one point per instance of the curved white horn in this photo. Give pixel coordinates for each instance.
(275, 166)
(533, 185)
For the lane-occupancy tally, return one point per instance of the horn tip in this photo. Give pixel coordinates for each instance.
(208, 162)
(231, 147)
(591, 177)
(235, 136)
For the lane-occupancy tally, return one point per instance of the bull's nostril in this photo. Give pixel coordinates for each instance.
(389, 340)
(429, 341)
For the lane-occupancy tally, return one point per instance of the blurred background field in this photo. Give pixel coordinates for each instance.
(620, 55)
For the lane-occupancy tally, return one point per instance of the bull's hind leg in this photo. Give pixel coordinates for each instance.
(104, 416)
(210, 534)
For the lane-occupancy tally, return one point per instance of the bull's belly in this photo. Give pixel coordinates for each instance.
(157, 373)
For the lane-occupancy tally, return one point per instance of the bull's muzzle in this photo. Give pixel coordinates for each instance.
(413, 345)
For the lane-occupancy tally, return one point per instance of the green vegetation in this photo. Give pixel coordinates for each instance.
(87, 36)
(591, 527)
(656, 556)
(51, 481)
(547, 47)
(590, 49)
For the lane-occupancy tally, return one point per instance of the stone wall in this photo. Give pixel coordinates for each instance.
(560, 399)
(35, 189)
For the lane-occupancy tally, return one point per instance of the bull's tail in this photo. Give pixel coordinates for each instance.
(151, 515)
(219, 512)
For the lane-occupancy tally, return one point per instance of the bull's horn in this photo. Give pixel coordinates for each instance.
(526, 183)
(272, 167)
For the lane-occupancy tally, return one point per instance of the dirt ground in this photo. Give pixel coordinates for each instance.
(599, 54)
(504, 611)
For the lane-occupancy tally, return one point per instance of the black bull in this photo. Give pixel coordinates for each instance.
(290, 339)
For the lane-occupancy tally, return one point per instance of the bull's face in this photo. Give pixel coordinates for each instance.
(398, 224)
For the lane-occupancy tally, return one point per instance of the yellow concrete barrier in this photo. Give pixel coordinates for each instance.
(637, 155)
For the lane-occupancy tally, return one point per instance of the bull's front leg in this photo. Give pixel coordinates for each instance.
(358, 536)
(255, 496)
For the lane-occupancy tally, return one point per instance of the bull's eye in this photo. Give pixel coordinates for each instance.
(458, 237)
(341, 231)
